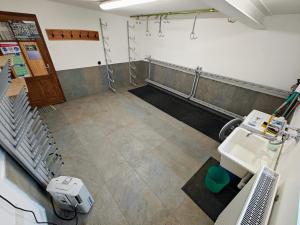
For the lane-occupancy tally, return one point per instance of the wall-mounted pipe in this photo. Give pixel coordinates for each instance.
(173, 13)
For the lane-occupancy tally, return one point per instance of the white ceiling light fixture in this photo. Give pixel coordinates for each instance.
(114, 4)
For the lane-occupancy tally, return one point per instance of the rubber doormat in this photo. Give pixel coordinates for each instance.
(199, 117)
(212, 204)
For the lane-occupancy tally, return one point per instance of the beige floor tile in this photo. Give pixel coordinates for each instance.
(133, 158)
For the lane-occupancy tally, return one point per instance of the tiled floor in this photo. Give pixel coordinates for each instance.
(133, 158)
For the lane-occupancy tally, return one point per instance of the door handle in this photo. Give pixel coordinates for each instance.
(48, 68)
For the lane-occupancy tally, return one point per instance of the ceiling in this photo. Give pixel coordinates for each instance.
(274, 6)
(152, 7)
(282, 6)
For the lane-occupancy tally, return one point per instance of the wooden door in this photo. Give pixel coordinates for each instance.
(43, 85)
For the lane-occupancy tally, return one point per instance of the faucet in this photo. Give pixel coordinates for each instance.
(261, 135)
(286, 133)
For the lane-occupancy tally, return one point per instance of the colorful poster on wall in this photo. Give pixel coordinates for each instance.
(9, 48)
(24, 30)
(12, 51)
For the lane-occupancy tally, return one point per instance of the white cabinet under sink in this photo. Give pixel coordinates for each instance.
(243, 151)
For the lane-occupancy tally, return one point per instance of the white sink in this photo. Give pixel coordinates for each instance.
(241, 152)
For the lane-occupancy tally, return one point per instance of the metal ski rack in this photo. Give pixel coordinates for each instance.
(109, 69)
(131, 55)
(196, 73)
(25, 136)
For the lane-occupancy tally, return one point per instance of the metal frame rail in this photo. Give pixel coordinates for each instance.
(109, 69)
(232, 81)
(131, 51)
(198, 73)
(26, 137)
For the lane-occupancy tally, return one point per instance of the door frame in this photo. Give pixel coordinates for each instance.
(6, 16)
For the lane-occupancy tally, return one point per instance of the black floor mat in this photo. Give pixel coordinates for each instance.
(199, 117)
(212, 204)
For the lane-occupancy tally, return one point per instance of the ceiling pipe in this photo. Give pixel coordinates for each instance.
(184, 12)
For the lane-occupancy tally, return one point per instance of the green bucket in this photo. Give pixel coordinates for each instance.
(216, 179)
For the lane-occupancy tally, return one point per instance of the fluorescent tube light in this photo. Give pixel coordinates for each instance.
(107, 5)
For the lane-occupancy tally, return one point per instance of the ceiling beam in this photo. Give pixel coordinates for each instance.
(248, 12)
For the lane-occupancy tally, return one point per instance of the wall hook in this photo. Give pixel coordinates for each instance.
(230, 20)
(160, 33)
(131, 26)
(104, 25)
(138, 21)
(148, 34)
(193, 36)
(166, 20)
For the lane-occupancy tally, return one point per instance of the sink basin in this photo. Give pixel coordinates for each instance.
(241, 152)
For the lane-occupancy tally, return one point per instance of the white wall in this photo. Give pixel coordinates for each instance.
(74, 54)
(270, 56)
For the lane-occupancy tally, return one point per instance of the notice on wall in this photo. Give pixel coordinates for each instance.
(24, 30)
(32, 52)
(6, 32)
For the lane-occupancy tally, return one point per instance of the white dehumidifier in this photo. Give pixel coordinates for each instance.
(70, 192)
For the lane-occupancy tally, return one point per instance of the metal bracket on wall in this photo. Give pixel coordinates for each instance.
(216, 108)
(26, 137)
(109, 69)
(198, 71)
(150, 81)
(131, 53)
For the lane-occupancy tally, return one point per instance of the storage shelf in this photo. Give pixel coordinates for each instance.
(8, 40)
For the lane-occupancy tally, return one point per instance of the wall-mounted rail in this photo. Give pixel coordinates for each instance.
(232, 81)
(109, 69)
(198, 73)
(192, 72)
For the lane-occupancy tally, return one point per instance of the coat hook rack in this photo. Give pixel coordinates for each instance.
(69, 35)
